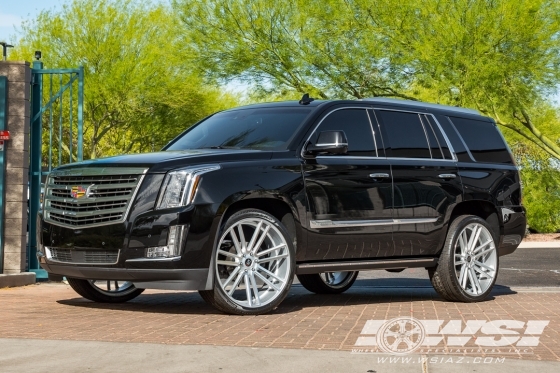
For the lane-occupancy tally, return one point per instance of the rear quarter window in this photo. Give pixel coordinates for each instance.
(483, 139)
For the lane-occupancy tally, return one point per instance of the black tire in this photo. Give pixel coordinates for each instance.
(217, 296)
(444, 277)
(315, 283)
(89, 291)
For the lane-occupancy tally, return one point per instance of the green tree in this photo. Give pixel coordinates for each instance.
(500, 57)
(139, 90)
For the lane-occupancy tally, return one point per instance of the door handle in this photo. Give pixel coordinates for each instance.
(379, 176)
(447, 176)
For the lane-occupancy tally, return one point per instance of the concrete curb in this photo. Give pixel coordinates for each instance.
(17, 279)
(539, 245)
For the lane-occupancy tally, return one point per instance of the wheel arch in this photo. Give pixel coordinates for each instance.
(483, 209)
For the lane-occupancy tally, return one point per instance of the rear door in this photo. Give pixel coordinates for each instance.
(425, 180)
(350, 196)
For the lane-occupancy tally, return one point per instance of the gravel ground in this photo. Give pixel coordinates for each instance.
(542, 237)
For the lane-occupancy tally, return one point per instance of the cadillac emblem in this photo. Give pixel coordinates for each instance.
(78, 191)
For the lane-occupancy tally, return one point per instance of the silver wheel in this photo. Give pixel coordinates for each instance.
(337, 280)
(253, 263)
(112, 288)
(475, 259)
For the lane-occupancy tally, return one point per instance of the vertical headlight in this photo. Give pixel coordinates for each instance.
(179, 186)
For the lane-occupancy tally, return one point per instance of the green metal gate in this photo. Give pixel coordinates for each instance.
(57, 98)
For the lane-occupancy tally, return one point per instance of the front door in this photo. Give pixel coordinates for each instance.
(350, 196)
(425, 181)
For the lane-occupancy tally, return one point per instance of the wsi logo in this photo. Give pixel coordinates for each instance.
(404, 335)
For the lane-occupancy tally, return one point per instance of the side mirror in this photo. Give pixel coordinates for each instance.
(329, 142)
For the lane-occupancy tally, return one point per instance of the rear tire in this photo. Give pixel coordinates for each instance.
(89, 290)
(328, 282)
(468, 264)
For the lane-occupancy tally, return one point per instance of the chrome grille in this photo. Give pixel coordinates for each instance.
(81, 198)
(82, 256)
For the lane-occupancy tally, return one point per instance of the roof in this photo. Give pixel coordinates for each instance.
(420, 104)
(379, 100)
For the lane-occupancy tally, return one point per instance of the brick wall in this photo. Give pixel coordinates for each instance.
(17, 164)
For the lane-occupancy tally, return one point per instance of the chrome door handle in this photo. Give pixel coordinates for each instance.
(379, 176)
(447, 176)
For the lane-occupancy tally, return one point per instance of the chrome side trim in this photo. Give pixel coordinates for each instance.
(170, 259)
(318, 224)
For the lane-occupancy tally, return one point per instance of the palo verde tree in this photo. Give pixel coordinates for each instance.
(500, 57)
(139, 90)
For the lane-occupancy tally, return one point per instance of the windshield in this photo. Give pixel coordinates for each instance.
(268, 128)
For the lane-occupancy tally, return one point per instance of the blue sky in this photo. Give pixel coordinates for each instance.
(12, 12)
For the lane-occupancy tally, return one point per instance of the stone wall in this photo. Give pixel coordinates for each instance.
(17, 160)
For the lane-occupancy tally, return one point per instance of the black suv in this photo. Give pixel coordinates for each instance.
(248, 197)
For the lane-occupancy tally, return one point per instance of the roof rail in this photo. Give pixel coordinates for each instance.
(384, 100)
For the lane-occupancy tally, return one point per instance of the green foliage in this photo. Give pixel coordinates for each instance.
(139, 90)
(500, 57)
(541, 195)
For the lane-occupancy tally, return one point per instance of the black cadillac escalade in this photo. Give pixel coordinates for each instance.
(247, 198)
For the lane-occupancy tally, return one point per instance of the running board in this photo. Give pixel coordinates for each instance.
(319, 267)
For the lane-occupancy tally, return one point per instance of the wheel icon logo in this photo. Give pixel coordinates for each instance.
(401, 335)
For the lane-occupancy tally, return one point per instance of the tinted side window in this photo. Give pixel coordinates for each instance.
(356, 125)
(483, 140)
(405, 134)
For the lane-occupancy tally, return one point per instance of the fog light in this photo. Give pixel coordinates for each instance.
(174, 244)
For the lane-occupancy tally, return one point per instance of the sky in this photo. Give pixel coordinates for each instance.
(12, 12)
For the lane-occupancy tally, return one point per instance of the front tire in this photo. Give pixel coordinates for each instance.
(328, 282)
(468, 265)
(105, 291)
(254, 264)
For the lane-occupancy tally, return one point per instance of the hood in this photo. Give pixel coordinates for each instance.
(161, 162)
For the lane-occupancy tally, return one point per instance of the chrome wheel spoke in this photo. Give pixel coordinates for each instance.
(248, 289)
(259, 268)
(236, 242)
(255, 236)
(481, 246)
(266, 281)
(270, 274)
(484, 266)
(227, 253)
(271, 258)
(253, 283)
(235, 284)
(228, 263)
(483, 252)
(268, 251)
(463, 276)
(235, 272)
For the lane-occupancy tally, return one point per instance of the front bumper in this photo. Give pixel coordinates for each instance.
(171, 279)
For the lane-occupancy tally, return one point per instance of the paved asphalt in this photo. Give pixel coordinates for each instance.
(528, 267)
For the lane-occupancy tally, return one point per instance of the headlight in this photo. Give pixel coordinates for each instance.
(179, 187)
